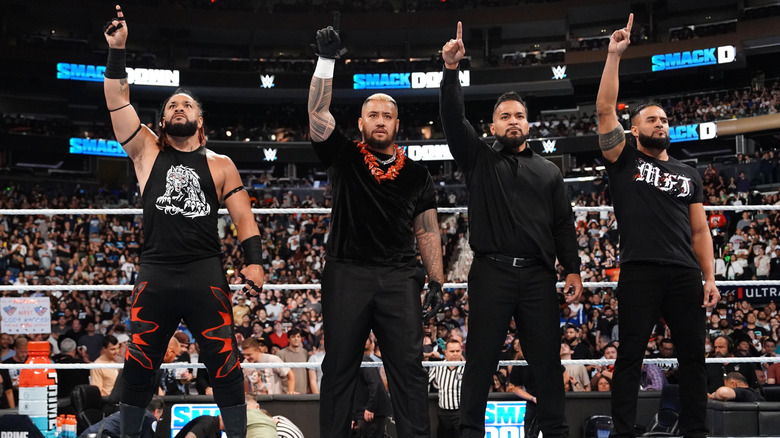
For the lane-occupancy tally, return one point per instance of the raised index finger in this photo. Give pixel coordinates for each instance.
(336, 20)
(630, 22)
(459, 33)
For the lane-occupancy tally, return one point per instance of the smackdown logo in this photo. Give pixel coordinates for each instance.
(92, 146)
(702, 131)
(414, 80)
(505, 420)
(183, 414)
(694, 58)
(137, 76)
(559, 72)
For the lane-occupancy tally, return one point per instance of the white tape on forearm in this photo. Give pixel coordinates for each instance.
(324, 68)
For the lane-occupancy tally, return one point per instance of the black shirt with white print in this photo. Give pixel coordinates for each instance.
(651, 199)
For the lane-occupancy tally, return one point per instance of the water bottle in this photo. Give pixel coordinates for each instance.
(38, 391)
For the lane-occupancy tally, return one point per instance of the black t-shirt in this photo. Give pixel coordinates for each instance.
(372, 222)
(204, 426)
(651, 199)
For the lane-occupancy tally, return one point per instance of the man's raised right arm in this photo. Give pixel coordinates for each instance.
(321, 121)
(128, 129)
(612, 139)
(457, 128)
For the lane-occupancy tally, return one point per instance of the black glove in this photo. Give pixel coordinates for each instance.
(433, 299)
(328, 40)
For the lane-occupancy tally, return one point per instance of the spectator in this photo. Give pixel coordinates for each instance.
(371, 401)
(10, 396)
(279, 337)
(110, 424)
(315, 375)
(723, 347)
(735, 388)
(92, 341)
(67, 379)
(578, 379)
(295, 352)
(105, 378)
(264, 380)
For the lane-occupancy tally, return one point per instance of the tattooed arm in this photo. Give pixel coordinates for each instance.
(137, 140)
(321, 121)
(611, 136)
(426, 230)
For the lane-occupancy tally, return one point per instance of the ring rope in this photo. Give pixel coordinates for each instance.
(427, 364)
(224, 211)
(560, 284)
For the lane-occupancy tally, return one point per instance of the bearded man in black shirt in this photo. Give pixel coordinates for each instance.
(381, 202)
(520, 220)
(665, 249)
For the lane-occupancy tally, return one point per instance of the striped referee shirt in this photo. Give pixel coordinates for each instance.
(447, 381)
(286, 428)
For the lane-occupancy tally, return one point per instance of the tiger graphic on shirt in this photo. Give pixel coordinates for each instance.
(183, 194)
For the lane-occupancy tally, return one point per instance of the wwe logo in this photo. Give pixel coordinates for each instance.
(559, 72)
(548, 146)
(270, 154)
(268, 81)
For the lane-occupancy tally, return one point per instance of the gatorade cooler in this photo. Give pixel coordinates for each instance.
(38, 391)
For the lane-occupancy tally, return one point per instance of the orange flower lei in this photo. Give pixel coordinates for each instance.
(373, 167)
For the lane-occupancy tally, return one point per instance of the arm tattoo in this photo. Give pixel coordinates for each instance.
(612, 139)
(426, 230)
(321, 121)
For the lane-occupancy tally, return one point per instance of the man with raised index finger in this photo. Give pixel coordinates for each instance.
(181, 274)
(383, 204)
(520, 221)
(665, 250)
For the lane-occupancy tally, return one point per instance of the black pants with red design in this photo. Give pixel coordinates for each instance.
(163, 295)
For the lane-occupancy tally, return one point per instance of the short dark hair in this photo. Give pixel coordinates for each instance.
(109, 340)
(667, 341)
(734, 375)
(509, 95)
(293, 331)
(642, 106)
(156, 403)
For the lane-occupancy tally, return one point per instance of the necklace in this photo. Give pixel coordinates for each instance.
(372, 162)
(387, 161)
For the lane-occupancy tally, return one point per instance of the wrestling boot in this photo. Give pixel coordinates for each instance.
(234, 419)
(131, 419)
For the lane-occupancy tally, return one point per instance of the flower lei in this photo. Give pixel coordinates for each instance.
(380, 175)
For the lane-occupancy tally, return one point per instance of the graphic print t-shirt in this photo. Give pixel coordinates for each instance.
(651, 199)
(180, 209)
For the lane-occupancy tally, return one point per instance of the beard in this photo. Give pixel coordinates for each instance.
(651, 142)
(512, 142)
(379, 145)
(187, 129)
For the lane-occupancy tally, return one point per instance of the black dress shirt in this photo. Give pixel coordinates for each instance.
(517, 202)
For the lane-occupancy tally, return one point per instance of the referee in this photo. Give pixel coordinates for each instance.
(447, 381)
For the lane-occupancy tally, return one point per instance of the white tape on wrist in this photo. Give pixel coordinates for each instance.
(324, 68)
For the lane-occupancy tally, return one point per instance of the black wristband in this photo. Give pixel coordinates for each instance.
(253, 250)
(116, 65)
